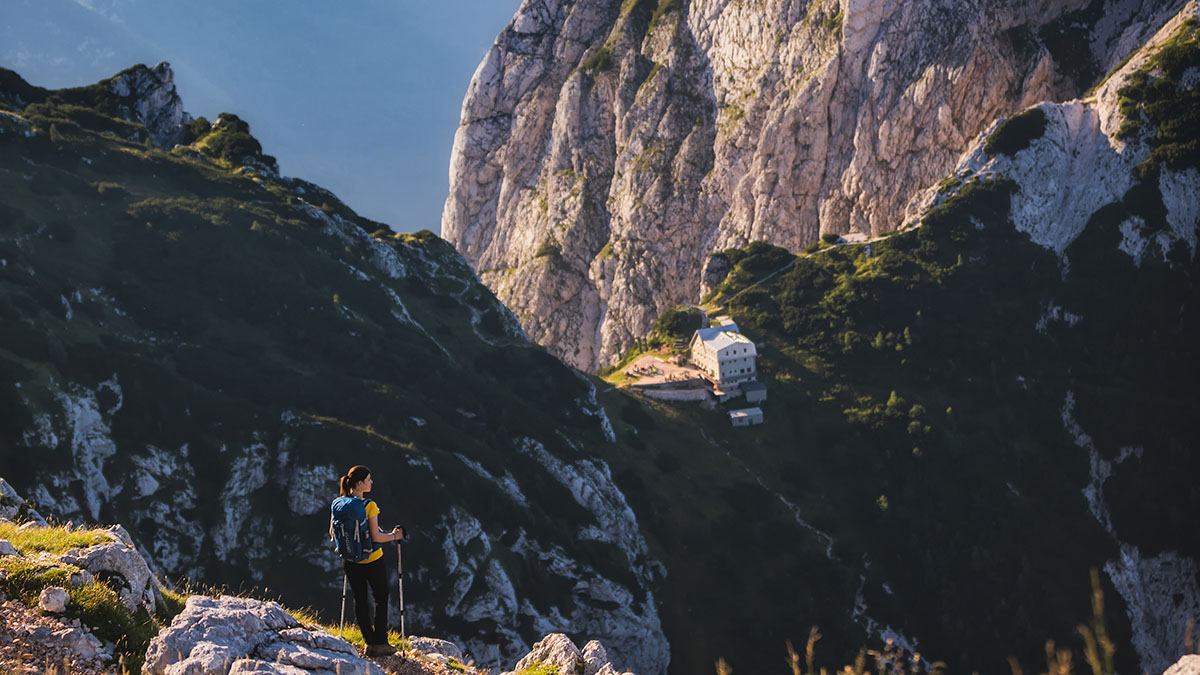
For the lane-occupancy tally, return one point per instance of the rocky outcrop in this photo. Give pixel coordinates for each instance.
(120, 560)
(49, 637)
(1078, 163)
(556, 651)
(241, 635)
(16, 509)
(607, 147)
(429, 646)
(117, 561)
(53, 599)
(149, 98)
(482, 589)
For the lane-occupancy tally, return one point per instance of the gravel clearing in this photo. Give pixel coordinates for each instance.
(31, 642)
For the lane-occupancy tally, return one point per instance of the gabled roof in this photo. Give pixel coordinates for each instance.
(721, 337)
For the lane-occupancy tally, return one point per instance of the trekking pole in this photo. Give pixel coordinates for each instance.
(400, 584)
(342, 621)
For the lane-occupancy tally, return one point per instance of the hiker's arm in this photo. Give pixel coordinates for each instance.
(379, 537)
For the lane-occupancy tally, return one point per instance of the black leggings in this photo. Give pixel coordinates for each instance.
(375, 575)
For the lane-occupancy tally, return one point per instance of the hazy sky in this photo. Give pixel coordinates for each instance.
(361, 97)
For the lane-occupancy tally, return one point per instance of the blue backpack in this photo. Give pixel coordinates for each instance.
(351, 531)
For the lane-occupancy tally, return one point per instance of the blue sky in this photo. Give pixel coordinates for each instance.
(360, 97)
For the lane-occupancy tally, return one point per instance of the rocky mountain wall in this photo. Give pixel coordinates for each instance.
(203, 346)
(606, 148)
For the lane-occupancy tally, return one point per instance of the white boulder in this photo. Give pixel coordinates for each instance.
(54, 600)
(256, 667)
(556, 649)
(83, 644)
(120, 558)
(1188, 665)
(241, 635)
(595, 657)
(428, 645)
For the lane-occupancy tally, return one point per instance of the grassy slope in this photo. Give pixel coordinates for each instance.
(915, 414)
(229, 316)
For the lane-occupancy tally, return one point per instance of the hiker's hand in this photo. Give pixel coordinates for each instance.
(398, 533)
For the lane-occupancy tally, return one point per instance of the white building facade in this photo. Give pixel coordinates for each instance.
(726, 356)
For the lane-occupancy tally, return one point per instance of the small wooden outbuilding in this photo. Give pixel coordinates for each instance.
(746, 417)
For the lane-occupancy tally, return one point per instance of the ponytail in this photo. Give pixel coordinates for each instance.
(353, 477)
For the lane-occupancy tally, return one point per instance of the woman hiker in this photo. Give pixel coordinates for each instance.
(369, 571)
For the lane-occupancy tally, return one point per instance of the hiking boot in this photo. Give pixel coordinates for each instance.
(384, 649)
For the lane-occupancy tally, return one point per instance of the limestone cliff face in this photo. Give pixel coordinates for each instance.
(151, 99)
(1078, 163)
(607, 147)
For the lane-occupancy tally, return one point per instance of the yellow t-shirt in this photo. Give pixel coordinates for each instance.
(372, 512)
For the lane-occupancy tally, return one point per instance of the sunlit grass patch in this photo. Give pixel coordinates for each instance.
(54, 540)
(350, 632)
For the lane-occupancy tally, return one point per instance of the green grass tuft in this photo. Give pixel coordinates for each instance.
(676, 323)
(600, 60)
(350, 632)
(173, 604)
(229, 139)
(56, 540)
(1016, 133)
(25, 579)
(831, 20)
(663, 7)
(540, 669)
(549, 247)
(1158, 107)
(751, 264)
